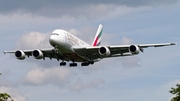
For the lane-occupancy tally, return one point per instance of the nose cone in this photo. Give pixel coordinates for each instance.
(56, 40)
(53, 40)
(57, 37)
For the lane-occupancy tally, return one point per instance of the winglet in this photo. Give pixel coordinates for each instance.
(4, 52)
(173, 43)
(97, 39)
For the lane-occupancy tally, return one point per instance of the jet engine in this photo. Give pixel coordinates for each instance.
(20, 55)
(134, 49)
(104, 51)
(37, 54)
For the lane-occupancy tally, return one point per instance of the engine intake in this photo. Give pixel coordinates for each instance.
(104, 51)
(134, 49)
(20, 55)
(37, 54)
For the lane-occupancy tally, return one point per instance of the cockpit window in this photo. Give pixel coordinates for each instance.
(55, 34)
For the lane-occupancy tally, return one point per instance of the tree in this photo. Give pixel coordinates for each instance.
(5, 97)
(176, 93)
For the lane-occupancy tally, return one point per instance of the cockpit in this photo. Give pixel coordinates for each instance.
(55, 34)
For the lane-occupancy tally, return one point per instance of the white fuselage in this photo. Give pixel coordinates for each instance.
(64, 42)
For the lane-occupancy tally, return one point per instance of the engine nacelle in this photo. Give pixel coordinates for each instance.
(104, 51)
(37, 54)
(20, 55)
(134, 49)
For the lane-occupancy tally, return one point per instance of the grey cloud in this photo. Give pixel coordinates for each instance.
(35, 5)
(33, 40)
(63, 7)
(80, 85)
(56, 76)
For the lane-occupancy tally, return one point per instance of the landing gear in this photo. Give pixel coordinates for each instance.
(87, 63)
(91, 62)
(84, 64)
(62, 63)
(73, 64)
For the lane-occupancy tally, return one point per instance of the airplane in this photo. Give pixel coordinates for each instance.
(67, 47)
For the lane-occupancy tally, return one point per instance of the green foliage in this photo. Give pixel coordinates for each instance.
(4, 96)
(176, 92)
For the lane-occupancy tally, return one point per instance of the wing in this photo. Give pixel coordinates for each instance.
(114, 51)
(41, 53)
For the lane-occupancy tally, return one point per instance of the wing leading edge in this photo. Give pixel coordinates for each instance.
(38, 54)
(94, 52)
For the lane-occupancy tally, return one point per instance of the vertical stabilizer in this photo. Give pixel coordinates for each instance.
(97, 39)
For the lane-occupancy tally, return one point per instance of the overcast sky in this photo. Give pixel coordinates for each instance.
(149, 75)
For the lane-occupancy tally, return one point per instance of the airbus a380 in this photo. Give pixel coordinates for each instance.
(67, 47)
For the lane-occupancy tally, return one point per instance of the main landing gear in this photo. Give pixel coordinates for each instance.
(75, 64)
(62, 63)
(87, 63)
(71, 64)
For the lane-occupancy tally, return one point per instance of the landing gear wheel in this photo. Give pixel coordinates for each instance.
(91, 62)
(73, 64)
(62, 63)
(84, 64)
(87, 63)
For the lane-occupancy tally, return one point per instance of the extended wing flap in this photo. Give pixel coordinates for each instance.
(93, 53)
(119, 49)
(88, 52)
